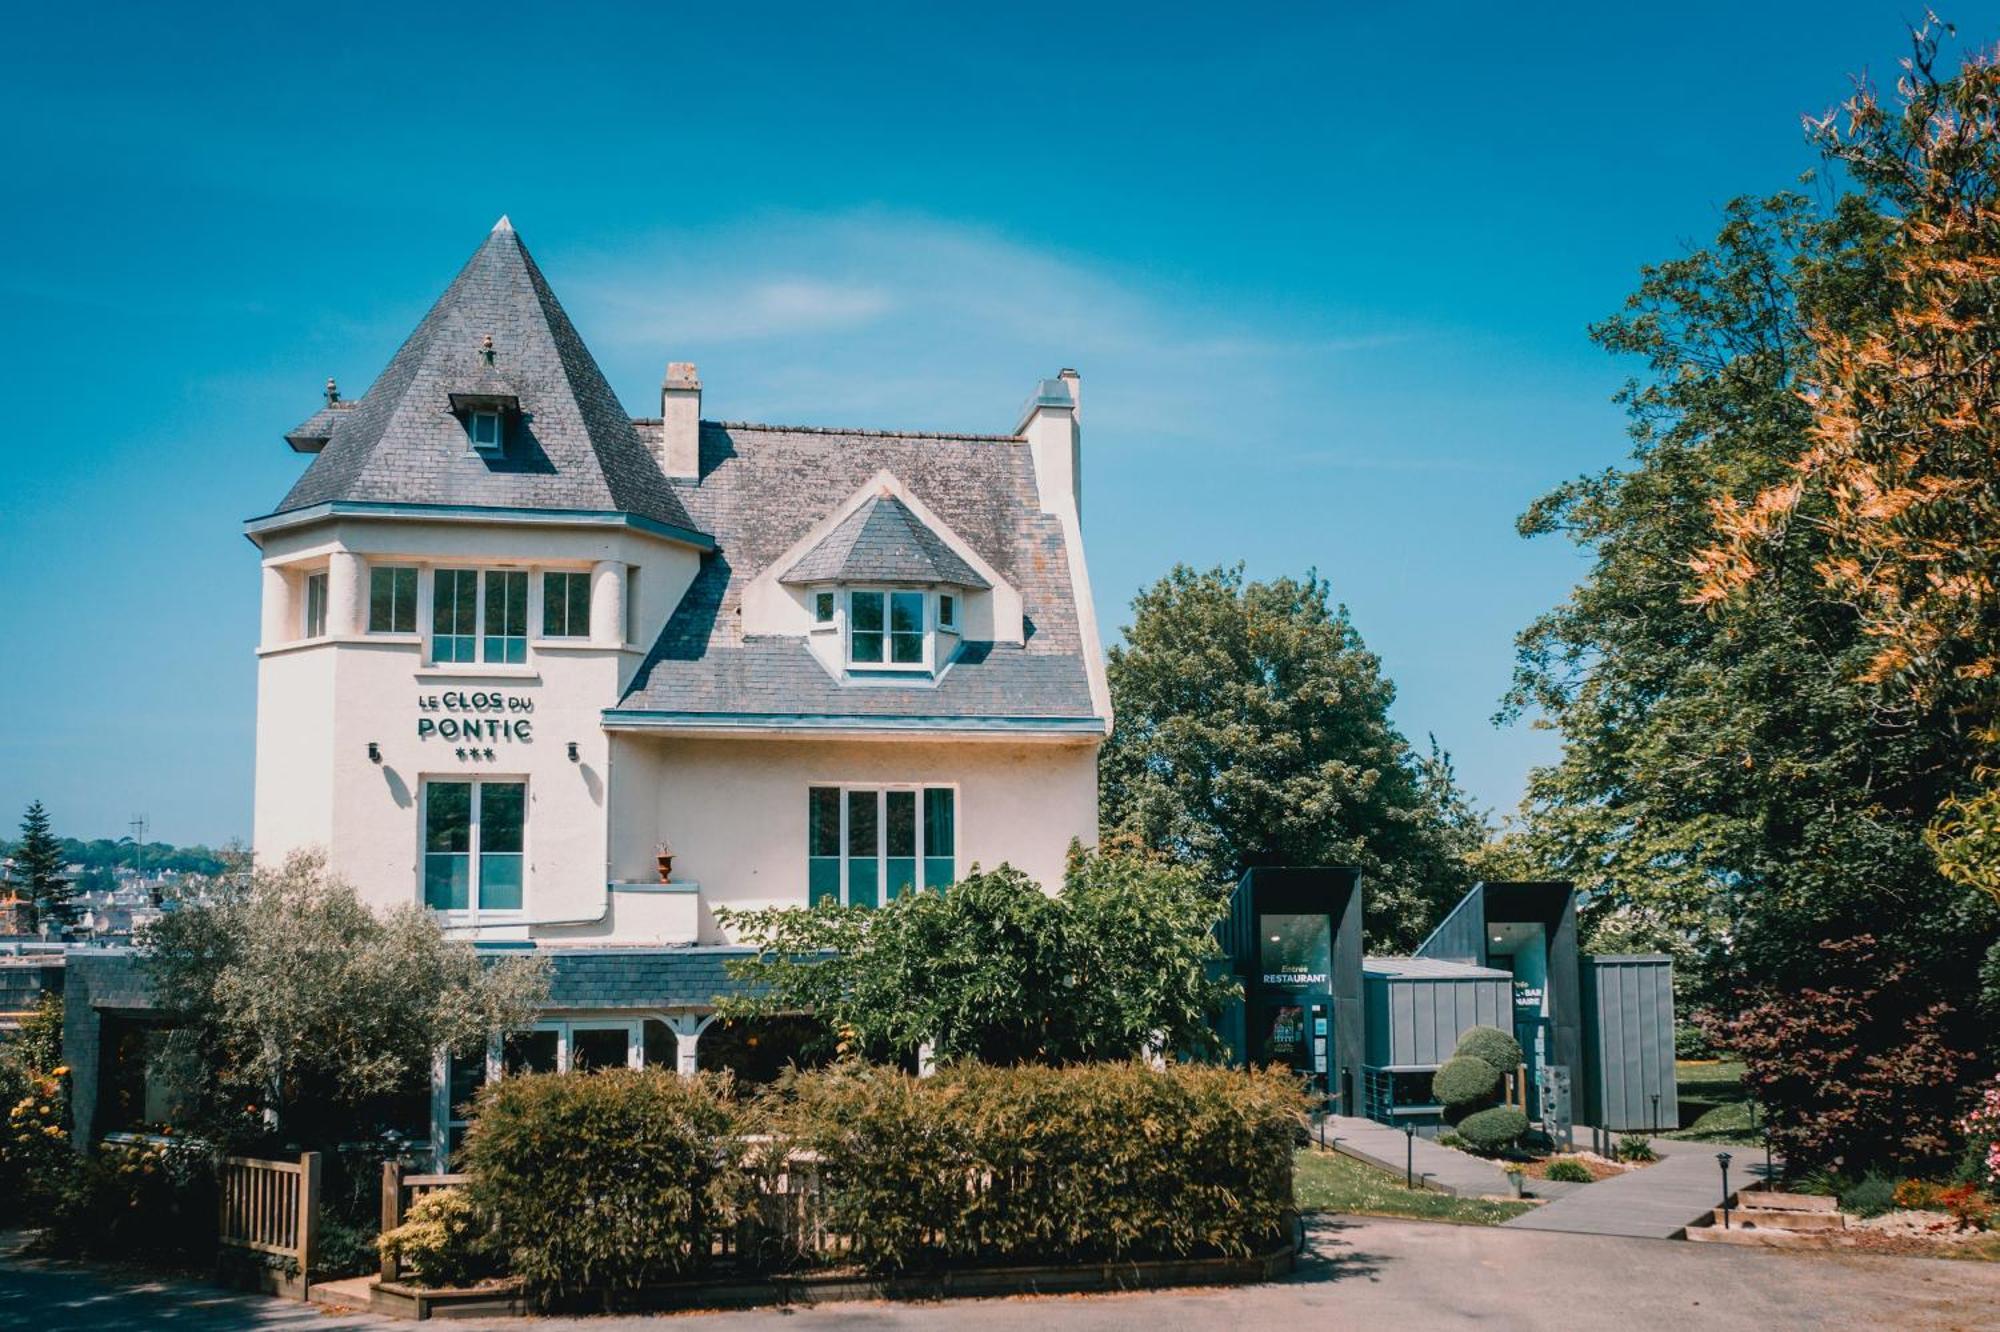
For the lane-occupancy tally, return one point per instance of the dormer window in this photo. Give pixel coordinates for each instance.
(887, 630)
(947, 611)
(822, 608)
(484, 428)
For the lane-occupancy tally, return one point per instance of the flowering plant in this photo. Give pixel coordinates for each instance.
(1982, 1136)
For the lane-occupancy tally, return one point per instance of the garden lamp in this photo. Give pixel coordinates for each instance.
(1722, 1159)
(1410, 1156)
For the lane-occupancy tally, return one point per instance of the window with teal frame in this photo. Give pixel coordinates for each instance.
(505, 632)
(866, 845)
(454, 614)
(473, 845)
(940, 837)
(823, 845)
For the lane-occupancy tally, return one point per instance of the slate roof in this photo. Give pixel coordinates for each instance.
(882, 541)
(573, 447)
(641, 977)
(1427, 968)
(763, 487)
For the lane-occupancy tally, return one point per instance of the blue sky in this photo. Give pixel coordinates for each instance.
(1326, 279)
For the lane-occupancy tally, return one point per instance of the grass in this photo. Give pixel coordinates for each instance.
(1330, 1182)
(1714, 1107)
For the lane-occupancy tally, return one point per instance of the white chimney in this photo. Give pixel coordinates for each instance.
(680, 421)
(1051, 422)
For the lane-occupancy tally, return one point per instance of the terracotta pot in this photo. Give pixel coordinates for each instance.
(666, 868)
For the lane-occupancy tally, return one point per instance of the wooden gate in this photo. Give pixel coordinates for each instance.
(271, 1207)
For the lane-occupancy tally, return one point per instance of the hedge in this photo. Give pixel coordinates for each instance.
(1031, 1163)
(597, 1184)
(1493, 1130)
(605, 1182)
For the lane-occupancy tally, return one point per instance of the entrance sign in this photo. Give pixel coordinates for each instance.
(475, 715)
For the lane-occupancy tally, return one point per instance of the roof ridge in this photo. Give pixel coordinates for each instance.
(854, 431)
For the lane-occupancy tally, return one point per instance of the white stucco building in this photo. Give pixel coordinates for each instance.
(515, 641)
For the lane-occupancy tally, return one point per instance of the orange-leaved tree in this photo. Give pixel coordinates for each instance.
(1902, 468)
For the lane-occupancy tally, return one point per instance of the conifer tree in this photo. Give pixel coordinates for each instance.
(39, 860)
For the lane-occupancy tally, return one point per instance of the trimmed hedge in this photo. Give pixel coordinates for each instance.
(1464, 1081)
(1493, 1045)
(1030, 1163)
(605, 1182)
(597, 1184)
(1493, 1130)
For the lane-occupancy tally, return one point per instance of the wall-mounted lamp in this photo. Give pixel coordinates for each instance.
(572, 751)
(374, 752)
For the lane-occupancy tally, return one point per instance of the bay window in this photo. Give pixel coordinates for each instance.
(887, 630)
(315, 622)
(479, 615)
(869, 844)
(392, 600)
(473, 845)
(565, 605)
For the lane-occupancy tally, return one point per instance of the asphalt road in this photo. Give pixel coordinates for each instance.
(1363, 1273)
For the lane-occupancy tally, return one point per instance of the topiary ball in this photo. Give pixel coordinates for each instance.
(1493, 1045)
(1461, 1081)
(1494, 1130)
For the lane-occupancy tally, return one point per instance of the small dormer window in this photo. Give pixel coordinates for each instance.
(886, 630)
(485, 430)
(947, 611)
(823, 608)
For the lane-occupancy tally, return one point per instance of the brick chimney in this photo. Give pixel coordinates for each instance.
(680, 421)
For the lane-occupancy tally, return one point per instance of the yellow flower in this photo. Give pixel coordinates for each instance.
(62, 1072)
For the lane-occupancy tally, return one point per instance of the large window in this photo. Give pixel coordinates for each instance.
(869, 844)
(473, 844)
(315, 624)
(565, 605)
(486, 610)
(392, 600)
(887, 630)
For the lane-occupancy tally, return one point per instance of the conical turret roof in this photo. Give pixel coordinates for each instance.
(570, 445)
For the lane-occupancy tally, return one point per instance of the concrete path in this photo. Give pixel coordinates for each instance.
(1445, 1170)
(1657, 1202)
(1360, 1273)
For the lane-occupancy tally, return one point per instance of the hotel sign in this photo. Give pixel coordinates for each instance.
(475, 716)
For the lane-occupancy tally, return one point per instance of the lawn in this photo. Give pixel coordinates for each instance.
(1330, 1182)
(1713, 1105)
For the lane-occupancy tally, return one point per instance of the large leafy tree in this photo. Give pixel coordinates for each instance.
(1253, 729)
(38, 860)
(995, 968)
(1739, 782)
(297, 1007)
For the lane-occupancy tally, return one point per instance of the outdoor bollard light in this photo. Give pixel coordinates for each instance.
(1656, 1112)
(1410, 1156)
(1768, 1173)
(1722, 1159)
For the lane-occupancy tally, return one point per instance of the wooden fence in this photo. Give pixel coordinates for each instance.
(270, 1207)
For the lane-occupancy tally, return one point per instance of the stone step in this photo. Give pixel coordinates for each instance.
(1788, 1202)
(1758, 1218)
(1767, 1239)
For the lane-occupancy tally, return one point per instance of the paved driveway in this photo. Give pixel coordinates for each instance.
(1364, 1273)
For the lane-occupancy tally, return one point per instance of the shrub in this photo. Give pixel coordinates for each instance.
(1491, 1044)
(1691, 1042)
(1090, 1161)
(142, 1200)
(1449, 1138)
(603, 1182)
(1464, 1083)
(1917, 1195)
(1636, 1147)
(1968, 1206)
(1493, 1130)
(1979, 1162)
(444, 1240)
(1871, 1196)
(1569, 1170)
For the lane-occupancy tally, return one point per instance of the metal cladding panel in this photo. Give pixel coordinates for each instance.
(1460, 936)
(1417, 1022)
(1629, 1042)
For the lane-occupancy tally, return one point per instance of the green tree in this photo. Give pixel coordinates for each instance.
(997, 969)
(1253, 729)
(292, 997)
(38, 860)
